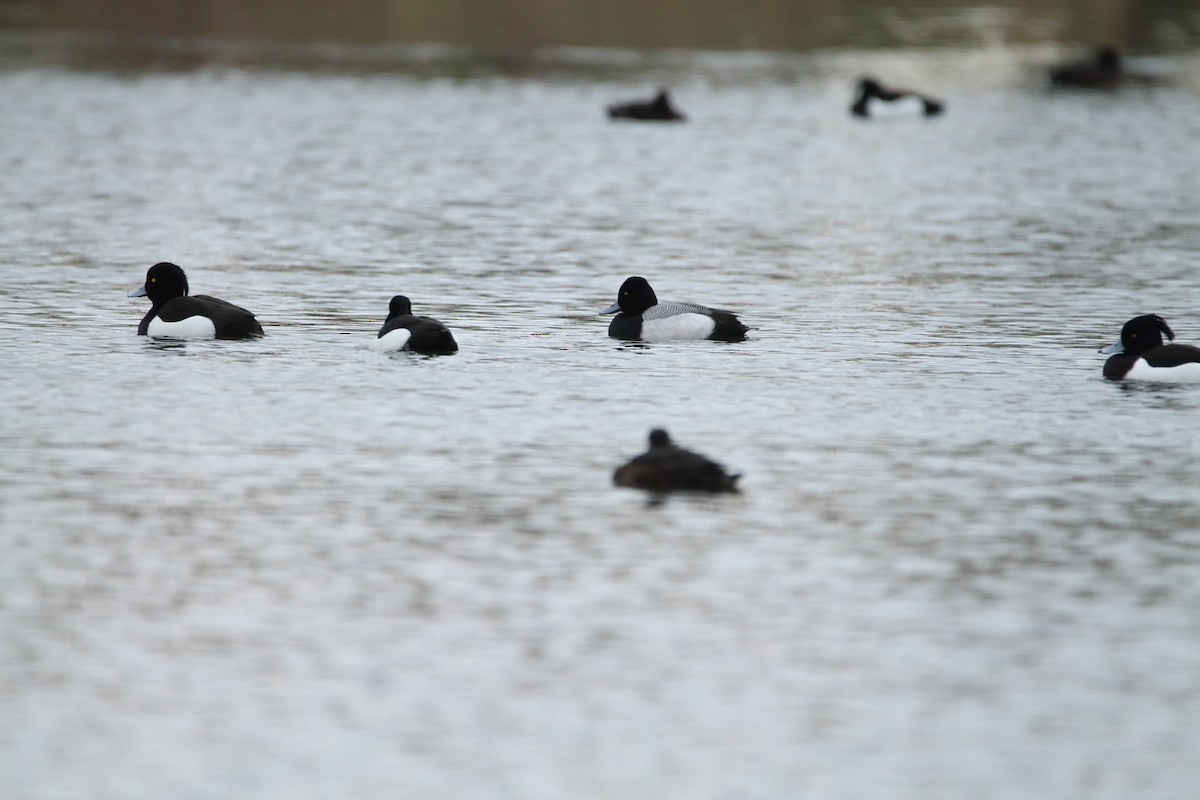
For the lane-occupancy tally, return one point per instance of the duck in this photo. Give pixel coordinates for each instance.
(658, 109)
(667, 467)
(1103, 71)
(403, 331)
(870, 89)
(1141, 355)
(176, 314)
(642, 317)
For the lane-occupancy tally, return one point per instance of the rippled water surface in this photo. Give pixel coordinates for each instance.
(963, 564)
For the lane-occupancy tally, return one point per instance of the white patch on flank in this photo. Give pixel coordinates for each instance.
(679, 326)
(196, 327)
(392, 341)
(1184, 373)
(905, 106)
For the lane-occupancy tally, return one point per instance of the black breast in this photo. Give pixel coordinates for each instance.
(625, 326)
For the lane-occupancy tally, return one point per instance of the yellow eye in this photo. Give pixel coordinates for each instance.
(153, 280)
(625, 294)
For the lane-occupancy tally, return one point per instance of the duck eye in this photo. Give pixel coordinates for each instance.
(1133, 336)
(154, 280)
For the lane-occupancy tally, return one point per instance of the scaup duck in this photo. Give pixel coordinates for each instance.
(643, 317)
(1141, 355)
(870, 89)
(666, 467)
(657, 110)
(1103, 71)
(175, 314)
(403, 331)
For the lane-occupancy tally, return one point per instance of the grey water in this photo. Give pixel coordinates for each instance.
(962, 564)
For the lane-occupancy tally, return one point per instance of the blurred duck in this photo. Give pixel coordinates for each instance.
(1102, 71)
(870, 89)
(657, 110)
(666, 467)
(1141, 355)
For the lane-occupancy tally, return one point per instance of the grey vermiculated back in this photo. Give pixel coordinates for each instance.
(664, 310)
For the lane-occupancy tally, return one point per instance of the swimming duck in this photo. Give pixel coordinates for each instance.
(870, 89)
(643, 317)
(1141, 355)
(1103, 71)
(657, 110)
(175, 314)
(403, 331)
(666, 467)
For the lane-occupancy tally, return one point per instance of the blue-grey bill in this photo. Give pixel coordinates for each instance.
(138, 292)
(614, 308)
(1115, 347)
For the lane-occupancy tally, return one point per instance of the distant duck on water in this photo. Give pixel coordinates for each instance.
(1103, 71)
(870, 90)
(666, 467)
(659, 109)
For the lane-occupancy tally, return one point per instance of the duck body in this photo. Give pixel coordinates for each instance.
(666, 467)
(870, 89)
(404, 331)
(658, 109)
(641, 317)
(1142, 355)
(176, 314)
(1104, 71)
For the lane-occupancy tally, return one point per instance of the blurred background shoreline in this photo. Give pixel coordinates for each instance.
(1153, 26)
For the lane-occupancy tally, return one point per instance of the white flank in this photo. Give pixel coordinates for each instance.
(196, 327)
(1184, 373)
(679, 326)
(392, 341)
(905, 106)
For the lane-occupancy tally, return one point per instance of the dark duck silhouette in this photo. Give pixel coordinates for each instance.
(870, 89)
(1141, 354)
(666, 467)
(175, 314)
(404, 331)
(1102, 71)
(657, 110)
